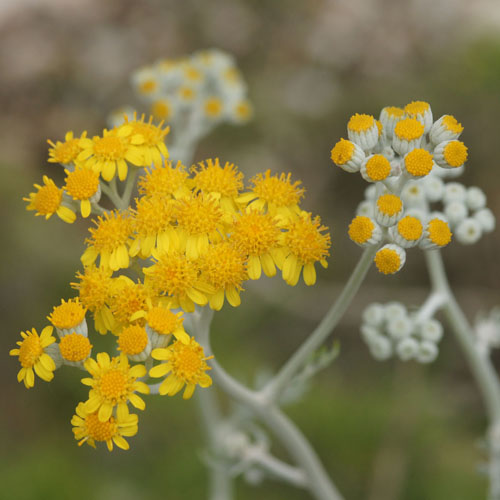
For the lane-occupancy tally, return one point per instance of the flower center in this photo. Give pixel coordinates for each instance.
(342, 152)
(439, 232)
(212, 178)
(114, 384)
(75, 347)
(360, 123)
(198, 215)
(163, 320)
(305, 241)
(417, 108)
(148, 86)
(387, 261)
(451, 124)
(410, 228)
(111, 232)
(213, 106)
(409, 129)
(361, 229)
(31, 349)
(378, 168)
(66, 152)
(133, 340)
(109, 147)
(47, 199)
(455, 153)
(100, 431)
(255, 233)
(277, 190)
(161, 109)
(162, 180)
(187, 363)
(224, 266)
(82, 183)
(418, 162)
(389, 204)
(68, 315)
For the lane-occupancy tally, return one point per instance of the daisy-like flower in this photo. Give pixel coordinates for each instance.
(87, 428)
(69, 317)
(165, 181)
(110, 153)
(95, 289)
(113, 384)
(74, 349)
(256, 235)
(347, 155)
(148, 140)
(224, 267)
(109, 241)
(221, 183)
(82, 184)
(177, 277)
(152, 221)
(186, 365)
(276, 194)
(33, 356)
(200, 222)
(304, 245)
(65, 152)
(390, 259)
(365, 231)
(47, 201)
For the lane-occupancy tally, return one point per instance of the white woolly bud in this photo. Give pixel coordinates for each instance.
(394, 310)
(374, 314)
(486, 219)
(413, 194)
(400, 328)
(468, 231)
(371, 192)
(433, 187)
(365, 208)
(381, 348)
(454, 191)
(427, 352)
(476, 199)
(431, 330)
(407, 348)
(369, 333)
(455, 212)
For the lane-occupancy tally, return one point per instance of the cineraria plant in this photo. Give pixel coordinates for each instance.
(156, 267)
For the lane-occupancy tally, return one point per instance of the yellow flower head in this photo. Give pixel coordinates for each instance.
(409, 129)
(243, 111)
(275, 193)
(223, 183)
(224, 267)
(109, 240)
(134, 342)
(162, 109)
(376, 168)
(186, 364)
(75, 348)
(257, 235)
(127, 299)
(113, 384)
(177, 277)
(153, 221)
(82, 184)
(418, 162)
(361, 230)
(65, 152)
(47, 201)
(165, 181)
(390, 259)
(69, 316)
(148, 140)
(32, 356)
(305, 244)
(163, 322)
(213, 107)
(95, 288)
(87, 428)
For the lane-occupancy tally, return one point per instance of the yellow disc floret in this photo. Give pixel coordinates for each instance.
(378, 167)
(133, 340)
(389, 204)
(82, 183)
(128, 298)
(360, 122)
(455, 153)
(163, 320)
(361, 229)
(75, 347)
(439, 232)
(164, 180)
(67, 315)
(451, 124)
(213, 107)
(65, 152)
(211, 177)
(410, 228)
(186, 364)
(161, 109)
(394, 111)
(409, 129)
(342, 152)
(418, 162)
(417, 108)
(387, 261)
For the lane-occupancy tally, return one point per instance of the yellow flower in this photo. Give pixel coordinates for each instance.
(224, 267)
(133, 341)
(32, 356)
(47, 201)
(177, 277)
(275, 193)
(87, 428)
(186, 364)
(69, 317)
(109, 241)
(113, 384)
(148, 140)
(222, 183)
(65, 152)
(95, 290)
(165, 181)
(75, 348)
(82, 184)
(110, 153)
(304, 246)
(213, 107)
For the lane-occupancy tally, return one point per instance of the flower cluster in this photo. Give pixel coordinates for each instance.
(193, 94)
(406, 157)
(192, 237)
(389, 329)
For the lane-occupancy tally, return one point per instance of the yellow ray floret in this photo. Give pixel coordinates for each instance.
(33, 358)
(87, 428)
(186, 365)
(47, 201)
(305, 244)
(113, 384)
(65, 152)
(109, 241)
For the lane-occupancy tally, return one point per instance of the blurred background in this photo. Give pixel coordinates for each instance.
(385, 430)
